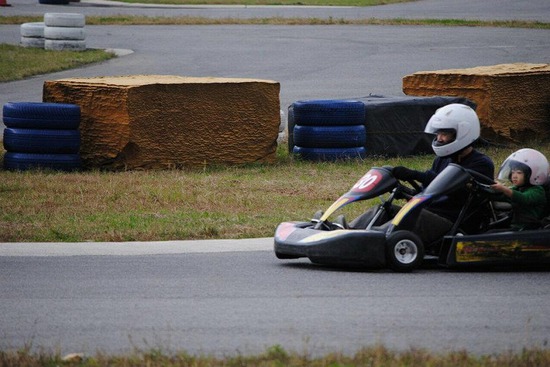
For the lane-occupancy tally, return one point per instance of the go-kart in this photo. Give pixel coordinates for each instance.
(477, 238)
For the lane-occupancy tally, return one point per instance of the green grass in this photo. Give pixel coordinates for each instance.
(214, 202)
(18, 62)
(188, 20)
(277, 356)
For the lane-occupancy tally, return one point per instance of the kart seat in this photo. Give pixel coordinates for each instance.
(341, 222)
(382, 228)
(502, 215)
(501, 206)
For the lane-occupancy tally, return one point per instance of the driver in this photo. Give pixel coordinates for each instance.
(528, 170)
(456, 127)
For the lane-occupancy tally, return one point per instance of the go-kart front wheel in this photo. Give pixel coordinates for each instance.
(404, 251)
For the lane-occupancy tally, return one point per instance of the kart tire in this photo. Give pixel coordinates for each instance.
(28, 161)
(64, 19)
(329, 112)
(64, 45)
(404, 251)
(330, 136)
(42, 141)
(64, 33)
(35, 42)
(329, 154)
(32, 29)
(35, 114)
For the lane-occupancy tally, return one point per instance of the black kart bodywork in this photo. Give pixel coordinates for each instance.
(477, 238)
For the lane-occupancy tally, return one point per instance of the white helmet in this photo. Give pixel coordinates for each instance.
(535, 162)
(458, 117)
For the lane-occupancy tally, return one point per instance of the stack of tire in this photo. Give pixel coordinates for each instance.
(64, 31)
(32, 34)
(41, 135)
(327, 130)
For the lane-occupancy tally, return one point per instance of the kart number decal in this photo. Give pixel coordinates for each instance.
(367, 182)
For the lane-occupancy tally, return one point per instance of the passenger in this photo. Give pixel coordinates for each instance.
(528, 170)
(456, 127)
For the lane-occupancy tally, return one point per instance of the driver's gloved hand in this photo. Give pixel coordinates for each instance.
(405, 174)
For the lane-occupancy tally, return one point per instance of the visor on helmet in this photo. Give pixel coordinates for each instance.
(458, 118)
(531, 162)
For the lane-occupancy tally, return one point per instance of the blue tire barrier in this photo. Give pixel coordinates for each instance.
(41, 115)
(330, 136)
(25, 123)
(290, 127)
(28, 161)
(329, 154)
(42, 141)
(329, 112)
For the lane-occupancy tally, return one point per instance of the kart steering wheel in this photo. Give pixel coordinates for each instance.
(482, 180)
(412, 192)
(415, 185)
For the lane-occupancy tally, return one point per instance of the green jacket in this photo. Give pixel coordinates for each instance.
(529, 205)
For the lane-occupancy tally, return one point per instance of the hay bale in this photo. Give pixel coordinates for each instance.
(513, 100)
(160, 121)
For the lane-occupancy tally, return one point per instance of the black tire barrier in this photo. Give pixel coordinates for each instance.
(329, 136)
(329, 112)
(330, 154)
(26, 161)
(42, 141)
(38, 115)
(54, 2)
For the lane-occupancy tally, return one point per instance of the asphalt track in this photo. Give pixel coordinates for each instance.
(226, 296)
(533, 10)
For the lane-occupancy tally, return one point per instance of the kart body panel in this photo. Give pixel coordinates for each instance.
(510, 248)
(353, 248)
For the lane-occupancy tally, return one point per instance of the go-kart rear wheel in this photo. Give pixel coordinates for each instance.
(404, 251)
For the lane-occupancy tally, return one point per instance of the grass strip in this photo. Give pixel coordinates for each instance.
(18, 62)
(188, 20)
(210, 203)
(277, 356)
